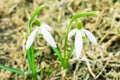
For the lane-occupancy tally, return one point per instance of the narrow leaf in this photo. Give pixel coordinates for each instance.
(30, 57)
(32, 63)
(71, 50)
(56, 50)
(12, 69)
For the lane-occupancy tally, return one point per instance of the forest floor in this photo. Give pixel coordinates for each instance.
(100, 62)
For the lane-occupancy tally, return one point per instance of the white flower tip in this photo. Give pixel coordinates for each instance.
(71, 33)
(27, 46)
(31, 38)
(95, 43)
(91, 37)
(68, 37)
(52, 43)
(55, 46)
(48, 37)
(47, 27)
(77, 57)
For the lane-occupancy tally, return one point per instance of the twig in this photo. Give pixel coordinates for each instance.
(89, 68)
(75, 77)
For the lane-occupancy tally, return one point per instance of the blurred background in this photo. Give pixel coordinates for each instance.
(103, 59)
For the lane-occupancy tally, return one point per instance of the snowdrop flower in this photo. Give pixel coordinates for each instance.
(79, 32)
(43, 29)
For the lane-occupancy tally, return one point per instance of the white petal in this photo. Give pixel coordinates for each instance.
(90, 36)
(47, 27)
(39, 30)
(78, 44)
(48, 37)
(31, 38)
(72, 32)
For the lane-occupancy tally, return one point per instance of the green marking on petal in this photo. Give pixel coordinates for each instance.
(40, 35)
(83, 37)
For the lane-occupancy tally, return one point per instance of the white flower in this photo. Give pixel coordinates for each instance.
(43, 29)
(78, 39)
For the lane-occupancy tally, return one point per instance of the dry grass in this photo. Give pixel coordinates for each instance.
(101, 62)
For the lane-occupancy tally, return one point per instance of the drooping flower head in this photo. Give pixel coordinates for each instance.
(44, 30)
(79, 32)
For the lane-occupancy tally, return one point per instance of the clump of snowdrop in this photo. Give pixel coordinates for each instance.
(79, 32)
(43, 30)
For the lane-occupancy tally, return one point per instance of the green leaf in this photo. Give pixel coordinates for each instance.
(56, 50)
(71, 50)
(12, 69)
(33, 16)
(31, 60)
(29, 57)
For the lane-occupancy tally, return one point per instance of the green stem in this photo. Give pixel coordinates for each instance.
(65, 45)
(34, 72)
(31, 58)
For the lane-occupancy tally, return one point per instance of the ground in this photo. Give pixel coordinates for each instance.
(100, 62)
